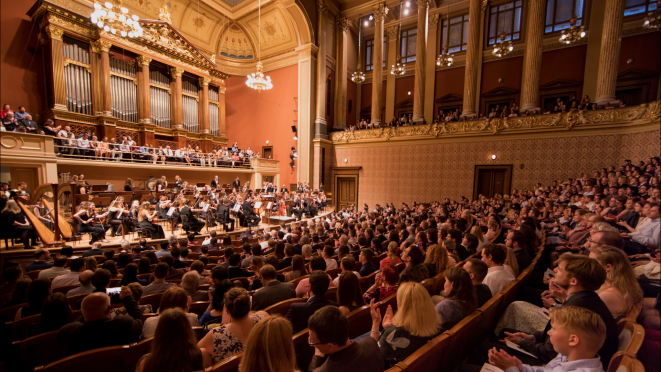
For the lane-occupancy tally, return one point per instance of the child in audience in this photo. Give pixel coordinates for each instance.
(576, 333)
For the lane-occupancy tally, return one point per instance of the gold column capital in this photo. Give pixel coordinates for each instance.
(343, 24)
(205, 81)
(380, 10)
(423, 3)
(51, 33)
(143, 60)
(176, 71)
(484, 5)
(101, 46)
(391, 32)
(322, 8)
(222, 89)
(433, 21)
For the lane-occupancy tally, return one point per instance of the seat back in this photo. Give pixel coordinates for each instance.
(138, 350)
(463, 337)
(9, 313)
(331, 294)
(430, 357)
(621, 362)
(33, 274)
(227, 365)
(244, 282)
(304, 352)
(297, 280)
(75, 301)
(65, 288)
(19, 328)
(154, 300)
(36, 351)
(282, 307)
(388, 301)
(631, 337)
(334, 273)
(439, 282)
(509, 294)
(198, 308)
(490, 314)
(106, 359)
(360, 321)
(429, 285)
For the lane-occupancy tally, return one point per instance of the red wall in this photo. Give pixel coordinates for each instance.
(449, 82)
(402, 88)
(365, 96)
(253, 118)
(508, 69)
(21, 71)
(645, 50)
(352, 92)
(565, 64)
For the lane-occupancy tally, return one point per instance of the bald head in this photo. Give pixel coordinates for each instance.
(95, 306)
(85, 277)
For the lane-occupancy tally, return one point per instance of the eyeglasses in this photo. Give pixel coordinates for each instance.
(314, 343)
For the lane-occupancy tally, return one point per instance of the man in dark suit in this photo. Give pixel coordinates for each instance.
(215, 183)
(98, 330)
(296, 209)
(236, 183)
(299, 314)
(95, 251)
(234, 270)
(190, 221)
(273, 292)
(289, 254)
(223, 216)
(30, 126)
(284, 189)
(41, 256)
(249, 214)
(456, 236)
(365, 258)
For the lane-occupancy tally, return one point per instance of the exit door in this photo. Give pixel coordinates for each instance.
(347, 192)
(492, 180)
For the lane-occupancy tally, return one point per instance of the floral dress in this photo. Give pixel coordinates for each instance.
(225, 344)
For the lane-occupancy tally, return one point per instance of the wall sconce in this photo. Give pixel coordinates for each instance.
(267, 142)
(629, 61)
(493, 157)
(346, 160)
(500, 80)
(409, 93)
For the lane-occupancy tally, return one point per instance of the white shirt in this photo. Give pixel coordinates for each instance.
(647, 232)
(83, 143)
(66, 279)
(149, 328)
(498, 277)
(336, 281)
(53, 272)
(330, 263)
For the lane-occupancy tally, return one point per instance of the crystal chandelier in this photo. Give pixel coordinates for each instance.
(358, 76)
(257, 80)
(445, 59)
(503, 47)
(573, 34)
(653, 19)
(113, 17)
(398, 69)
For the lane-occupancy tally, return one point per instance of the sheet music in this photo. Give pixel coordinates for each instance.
(489, 368)
(206, 207)
(258, 205)
(236, 207)
(269, 205)
(170, 211)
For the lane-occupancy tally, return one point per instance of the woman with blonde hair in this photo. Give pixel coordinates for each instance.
(477, 231)
(415, 323)
(620, 292)
(492, 233)
(145, 219)
(391, 256)
(270, 347)
(511, 264)
(174, 298)
(436, 259)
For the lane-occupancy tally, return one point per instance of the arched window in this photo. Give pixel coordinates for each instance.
(559, 12)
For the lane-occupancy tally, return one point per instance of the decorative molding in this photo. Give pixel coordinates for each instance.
(491, 58)
(176, 71)
(483, 7)
(392, 32)
(455, 64)
(380, 10)
(322, 8)
(423, 3)
(53, 33)
(204, 81)
(143, 60)
(433, 21)
(636, 31)
(343, 24)
(559, 45)
(330, 62)
(628, 116)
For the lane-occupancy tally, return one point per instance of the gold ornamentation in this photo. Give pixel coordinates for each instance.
(143, 60)
(433, 21)
(53, 33)
(392, 32)
(380, 11)
(343, 24)
(161, 35)
(423, 4)
(322, 8)
(69, 26)
(205, 80)
(213, 58)
(176, 71)
(101, 46)
(484, 7)
(164, 14)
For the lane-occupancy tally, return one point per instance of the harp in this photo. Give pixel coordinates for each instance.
(48, 237)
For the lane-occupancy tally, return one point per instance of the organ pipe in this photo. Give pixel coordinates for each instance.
(77, 78)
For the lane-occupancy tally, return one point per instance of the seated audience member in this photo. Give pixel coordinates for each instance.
(349, 295)
(327, 254)
(649, 275)
(11, 274)
(77, 266)
(437, 260)
(498, 277)
(55, 313)
(214, 313)
(620, 292)
(95, 251)
(365, 259)
(415, 270)
(289, 255)
(329, 334)
(273, 292)
(517, 241)
(576, 335)
(299, 314)
(131, 276)
(136, 290)
(228, 340)
(159, 284)
(41, 261)
(460, 299)
(173, 273)
(298, 268)
(98, 330)
(391, 256)
(477, 270)
(234, 267)
(38, 291)
(455, 236)
(86, 286)
(303, 287)
(269, 347)
(189, 283)
(19, 293)
(174, 347)
(646, 234)
(415, 323)
(385, 285)
(346, 264)
(58, 268)
(173, 298)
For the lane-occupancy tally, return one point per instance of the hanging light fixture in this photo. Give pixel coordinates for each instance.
(113, 17)
(653, 19)
(399, 68)
(573, 34)
(358, 76)
(445, 59)
(503, 47)
(257, 80)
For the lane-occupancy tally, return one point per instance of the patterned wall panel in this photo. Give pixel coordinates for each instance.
(164, 144)
(217, 146)
(78, 129)
(192, 144)
(426, 172)
(126, 133)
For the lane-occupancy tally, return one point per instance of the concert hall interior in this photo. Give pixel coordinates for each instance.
(394, 145)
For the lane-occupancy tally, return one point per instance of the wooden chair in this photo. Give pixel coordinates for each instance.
(33, 274)
(137, 350)
(429, 285)
(282, 307)
(75, 301)
(8, 314)
(621, 362)
(331, 294)
(244, 281)
(368, 280)
(490, 314)
(463, 338)
(154, 300)
(198, 308)
(203, 287)
(199, 333)
(285, 270)
(509, 294)
(106, 359)
(227, 365)
(297, 280)
(430, 357)
(304, 352)
(439, 282)
(99, 258)
(65, 288)
(144, 276)
(388, 301)
(334, 273)
(19, 328)
(631, 337)
(36, 351)
(360, 321)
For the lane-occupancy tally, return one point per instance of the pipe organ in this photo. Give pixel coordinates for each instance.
(190, 104)
(159, 94)
(124, 90)
(213, 111)
(77, 76)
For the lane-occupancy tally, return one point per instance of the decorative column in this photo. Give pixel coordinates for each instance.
(357, 107)
(306, 113)
(472, 59)
(341, 74)
(53, 47)
(203, 107)
(432, 52)
(420, 63)
(610, 52)
(104, 77)
(379, 10)
(532, 60)
(176, 98)
(221, 110)
(320, 130)
(144, 101)
(391, 33)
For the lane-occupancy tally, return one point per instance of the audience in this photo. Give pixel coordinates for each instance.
(497, 276)
(173, 298)
(460, 299)
(299, 314)
(273, 292)
(37, 293)
(269, 347)
(477, 270)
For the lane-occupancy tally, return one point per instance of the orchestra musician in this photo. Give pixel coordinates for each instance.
(189, 220)
(296, 208)
(284, 189)
(249, 214)
(145, 218)
(42, 214)
(178, 183)
(162, 207)
(215, 183)
(117, 214)
(236, 184)
(98, 218)
(161, 184)
(17, 224)
(23, 191)
(85, 223)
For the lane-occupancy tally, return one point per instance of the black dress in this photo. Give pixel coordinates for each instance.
(97, 233)
(155, 231)
(25, 233)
